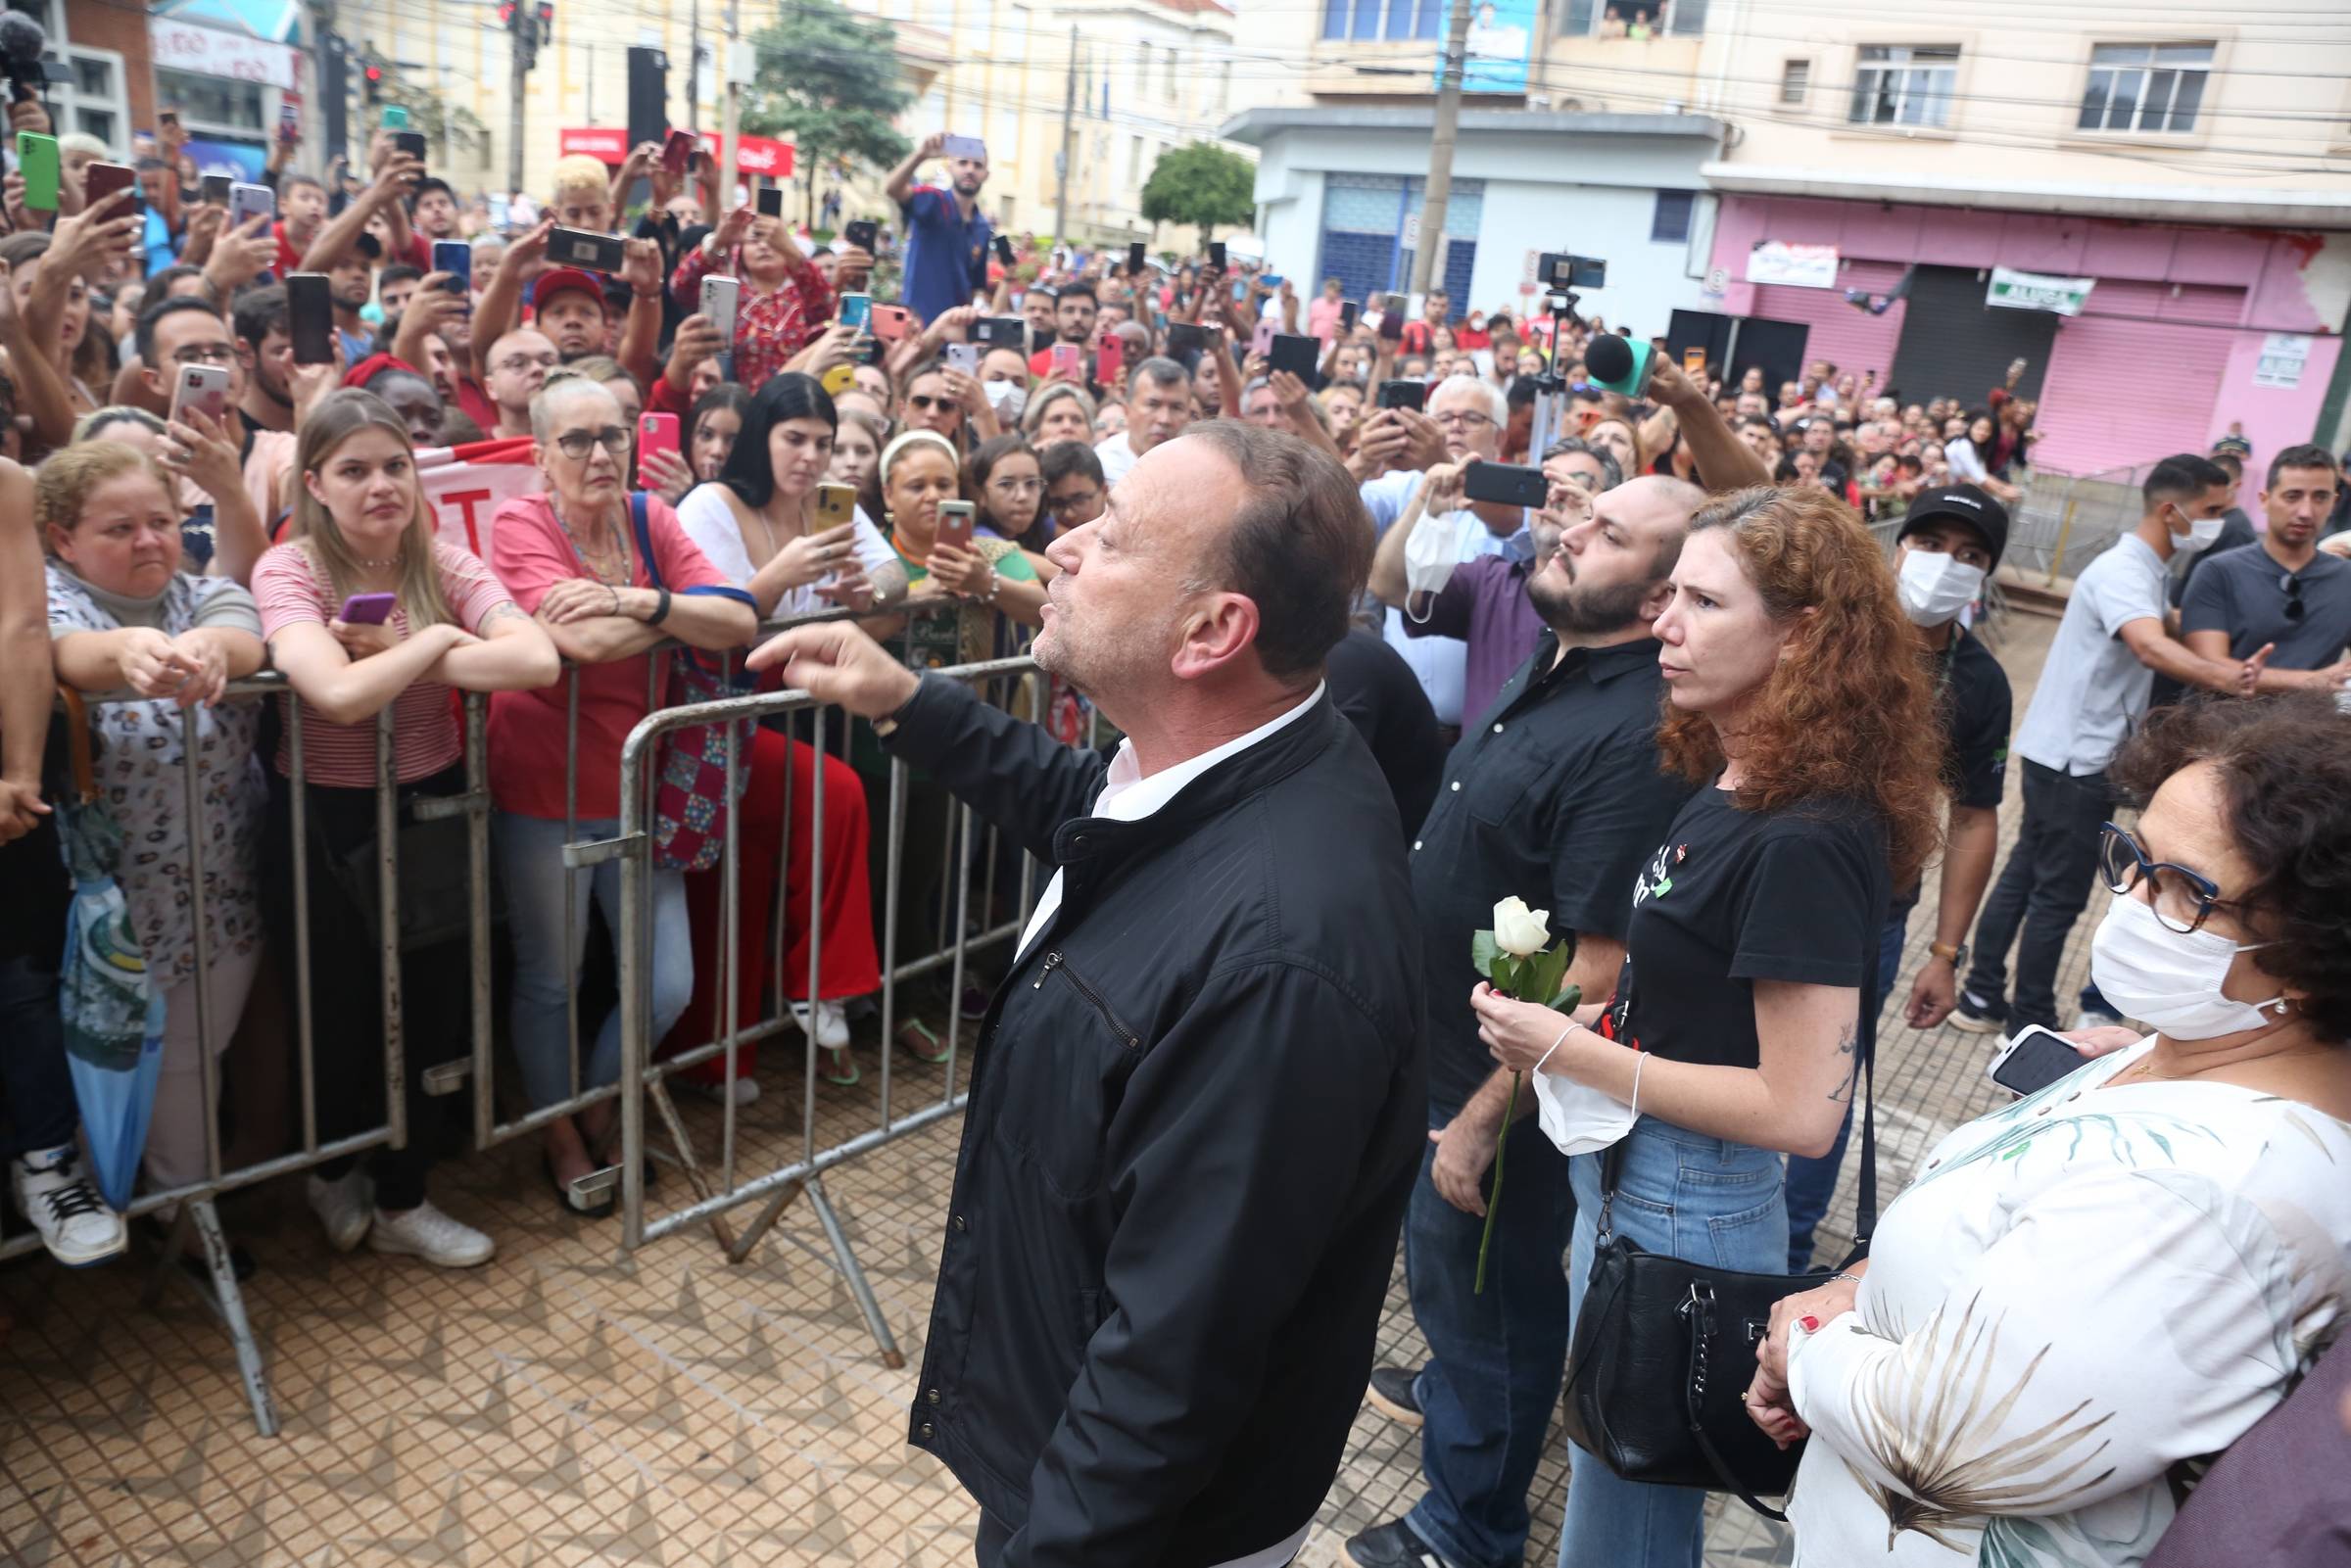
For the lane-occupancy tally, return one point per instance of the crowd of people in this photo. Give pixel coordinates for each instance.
(1676, 693)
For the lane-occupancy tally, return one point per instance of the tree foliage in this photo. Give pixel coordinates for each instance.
(828, 81)
(446, 126)
(1203, 185)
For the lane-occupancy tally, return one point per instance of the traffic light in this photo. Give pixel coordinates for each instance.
(506, 14)
(373, 76)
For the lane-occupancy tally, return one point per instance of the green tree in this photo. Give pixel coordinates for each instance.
(446, 126)
(828, 80)
(1201, 184)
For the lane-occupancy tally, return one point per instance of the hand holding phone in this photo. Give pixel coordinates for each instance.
(2034, 1058)
(38, 161)
(955, 522)
(655, 431)
(367, 609)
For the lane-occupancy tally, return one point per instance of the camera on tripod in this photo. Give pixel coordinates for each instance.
(1560, 273)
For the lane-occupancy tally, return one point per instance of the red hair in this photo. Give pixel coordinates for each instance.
(1848, 710)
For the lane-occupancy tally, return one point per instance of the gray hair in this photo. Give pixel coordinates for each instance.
(1160, 371)
(1611, 470)
(1496, 406)
(562, 387)
(1049, 395)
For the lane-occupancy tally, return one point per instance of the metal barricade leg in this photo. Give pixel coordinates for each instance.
(229, 1303)
(892, 1356)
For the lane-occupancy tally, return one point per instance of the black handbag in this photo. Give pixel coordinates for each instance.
(436, 897)
(1664, 1350)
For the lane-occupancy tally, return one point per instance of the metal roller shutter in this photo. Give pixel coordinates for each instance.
(1846, 335)
(2119, 392)
(1955, 346)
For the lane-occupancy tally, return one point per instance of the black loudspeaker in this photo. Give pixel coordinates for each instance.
(649, 95)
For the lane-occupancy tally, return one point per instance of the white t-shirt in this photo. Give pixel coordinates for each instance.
(2092, 690)
(710, 523)
(1117, 455)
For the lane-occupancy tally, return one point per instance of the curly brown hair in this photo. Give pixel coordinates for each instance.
(2284, 766)
(1849, 711)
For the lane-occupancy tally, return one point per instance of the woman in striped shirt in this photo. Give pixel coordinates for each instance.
(363, 531)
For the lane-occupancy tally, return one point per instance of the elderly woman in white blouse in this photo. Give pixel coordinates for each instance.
(2087, 1294)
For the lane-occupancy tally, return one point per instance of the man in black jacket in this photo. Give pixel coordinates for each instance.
(1197, 1103)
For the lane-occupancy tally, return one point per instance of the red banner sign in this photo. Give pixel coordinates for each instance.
(609, 144)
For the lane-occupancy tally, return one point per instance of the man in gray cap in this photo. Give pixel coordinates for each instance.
(1952, 539)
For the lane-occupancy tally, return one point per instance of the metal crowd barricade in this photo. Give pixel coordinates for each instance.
(193, 1205)
(718, 1191)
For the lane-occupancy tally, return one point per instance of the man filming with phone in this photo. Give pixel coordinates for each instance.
(947, 234)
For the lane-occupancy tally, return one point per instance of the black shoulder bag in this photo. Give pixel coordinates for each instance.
(1664, 1350)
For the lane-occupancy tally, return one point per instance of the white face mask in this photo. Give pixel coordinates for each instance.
(2169, 980)
(1429, 557)
(1007, 398)
(2201, 531)
(1577, 1118)
(1934, 588)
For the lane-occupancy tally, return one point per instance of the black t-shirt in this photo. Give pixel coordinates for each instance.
(1977, 706)
(1736, 897)
(1377, 691)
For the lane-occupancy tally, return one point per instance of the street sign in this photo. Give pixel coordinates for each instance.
(2012, 290)
(1804, 266)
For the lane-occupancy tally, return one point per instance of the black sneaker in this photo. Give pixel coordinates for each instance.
(1392, 1393)
(1393, 1545)
(1975, 1016)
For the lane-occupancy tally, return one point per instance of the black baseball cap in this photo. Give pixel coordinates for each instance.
(1963, 503)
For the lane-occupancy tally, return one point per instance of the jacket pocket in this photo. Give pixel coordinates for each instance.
(1498, 781)
(1066, 1054)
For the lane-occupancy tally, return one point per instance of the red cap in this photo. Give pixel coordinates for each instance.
(564, 280)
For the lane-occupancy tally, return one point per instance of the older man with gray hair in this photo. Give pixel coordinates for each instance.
(1198, 1103)
(1158, 405)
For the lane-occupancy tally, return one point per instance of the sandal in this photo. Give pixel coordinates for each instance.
(913, 1036)
(842, 1053)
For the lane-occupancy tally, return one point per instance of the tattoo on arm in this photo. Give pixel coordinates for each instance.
(500, 612)
(1848, 1043)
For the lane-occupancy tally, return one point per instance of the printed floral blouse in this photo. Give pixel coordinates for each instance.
(2078, 1302)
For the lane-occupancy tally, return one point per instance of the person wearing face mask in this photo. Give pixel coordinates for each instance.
(1004, 382)
(2117, 1276)
(1952, 539)
(2093, 690)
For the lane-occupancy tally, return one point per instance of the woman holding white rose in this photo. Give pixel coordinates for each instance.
(1795, 697)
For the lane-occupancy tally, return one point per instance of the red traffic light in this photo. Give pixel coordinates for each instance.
(375, 73)
(505, 13)
(546, 12)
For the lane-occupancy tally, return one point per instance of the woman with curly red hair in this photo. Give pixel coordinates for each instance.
(1796, 695)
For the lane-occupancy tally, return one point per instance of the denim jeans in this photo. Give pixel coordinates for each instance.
(2042, 890)
(1495, 1359)
(530, 864)
(36, 1088)
(1688, 1195)
(1812, 1182)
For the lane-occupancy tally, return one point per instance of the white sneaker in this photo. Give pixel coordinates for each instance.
(742, 1091)
(426, 1232)
(74, 1223)
(346, 1207)
(831, 1025)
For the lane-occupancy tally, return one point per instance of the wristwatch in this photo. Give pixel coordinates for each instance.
(1949, 954)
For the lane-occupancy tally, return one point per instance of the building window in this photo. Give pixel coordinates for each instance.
(1901, 85)
(1670, 220)
(216, 105)
(1381, 19)
(95, 101)
(1134, 161)
(2147, 88)
(1167, 73)
(1795, 80)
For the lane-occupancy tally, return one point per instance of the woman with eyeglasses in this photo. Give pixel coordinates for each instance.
(760, 528)
(571, 557)
(2087, 1294)
(1003, 478)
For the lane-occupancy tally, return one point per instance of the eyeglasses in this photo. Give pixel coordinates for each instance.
(576, 443)
(2292, 586)
(931, 404)
(2183, 899)
(1462, 419)
(527, 361)
(203, 354)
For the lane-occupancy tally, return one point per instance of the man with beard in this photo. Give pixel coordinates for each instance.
(947, 234)
(1074, 310)
(1197, 1099)
(2281, 591)
(1552, 798)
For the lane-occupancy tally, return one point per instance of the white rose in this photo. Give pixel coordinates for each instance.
(1520, 931)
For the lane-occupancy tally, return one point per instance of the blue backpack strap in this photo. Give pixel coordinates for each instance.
(639, 519)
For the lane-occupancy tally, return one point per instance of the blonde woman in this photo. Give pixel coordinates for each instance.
(365, 532)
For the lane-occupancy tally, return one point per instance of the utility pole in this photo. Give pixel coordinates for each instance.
(734, 110)
(693, 66)
(522, 52)
(1440, 149)
(1061, 176)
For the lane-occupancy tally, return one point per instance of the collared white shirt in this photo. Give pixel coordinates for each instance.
(1129, 796)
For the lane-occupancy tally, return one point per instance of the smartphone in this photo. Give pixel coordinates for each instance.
(455, 258)
(395, 118)
(964, 147)
(2034, 1058)
(857, 310)
(1271, 280)
(719, 297)
(310, 318)
(168, 116)
(410, 142)
(583, 248)
(890, 323)
(1296, 353)
(289, 122)
(839, 379)
(1186, 342)
(771, 201)
(1509, 484)
(955, 518)
(1694, 362)
(1004, 250)
(101, 180)
(655, 431)
(212, 189)
(1412, 395)
(201, 386)
(1216, 254)
(1065, 358)
(367, 609)
(835, 505)
(249, 202)
(677, 151)
(1134, 260)
(862, 232)
(1391, 322)
(37, 161)
(1262, 340)
(1347, 312)
(963, 357)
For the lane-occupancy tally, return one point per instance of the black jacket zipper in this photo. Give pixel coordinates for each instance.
(1054, 960)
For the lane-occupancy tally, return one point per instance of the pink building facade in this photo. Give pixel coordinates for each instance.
(2187, 332)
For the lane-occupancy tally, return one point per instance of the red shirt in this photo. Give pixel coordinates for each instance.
(531, 553)
(477, 404)
(769, 328)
